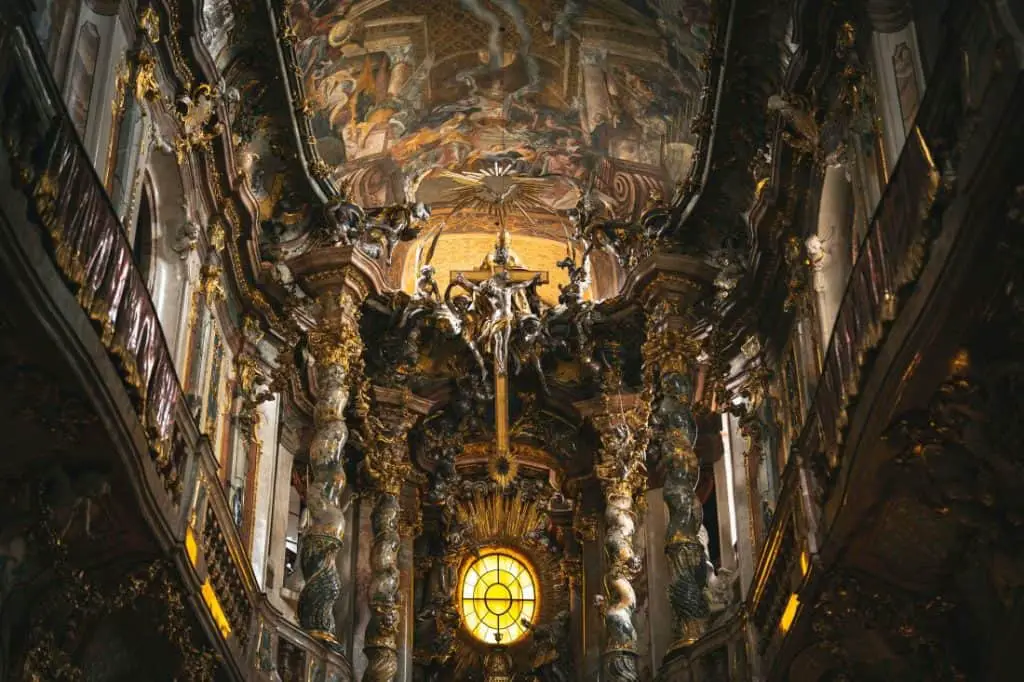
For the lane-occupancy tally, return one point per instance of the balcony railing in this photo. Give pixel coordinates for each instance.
(89, 248)
(891, 258)
(904, 229)
(719, 656)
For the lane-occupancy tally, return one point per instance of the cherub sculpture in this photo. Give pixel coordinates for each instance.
(392, 224)
(529, 341)
(426, 285)
(343, 223)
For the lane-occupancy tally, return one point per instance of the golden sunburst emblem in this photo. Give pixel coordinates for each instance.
(499, 190)
(503, 468)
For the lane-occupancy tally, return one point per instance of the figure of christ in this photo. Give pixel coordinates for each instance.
(499, 290)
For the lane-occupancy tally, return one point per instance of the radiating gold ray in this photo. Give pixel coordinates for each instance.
(496, 517)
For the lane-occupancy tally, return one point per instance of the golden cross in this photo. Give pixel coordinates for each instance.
(516, 275)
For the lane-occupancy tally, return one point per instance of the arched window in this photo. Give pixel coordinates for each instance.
(499, 596)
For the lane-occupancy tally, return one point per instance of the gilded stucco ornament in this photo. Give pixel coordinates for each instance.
(149, 24)
(255, 384)
(195, 113)
(147, 86)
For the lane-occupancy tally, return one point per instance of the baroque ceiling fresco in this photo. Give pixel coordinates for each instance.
(532, 105)
(566, 143)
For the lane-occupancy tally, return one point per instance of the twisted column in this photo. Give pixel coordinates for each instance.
(387, 465)
(620, 656)
(623, 475)
(335, 345)
(669, 357)
(381, 646)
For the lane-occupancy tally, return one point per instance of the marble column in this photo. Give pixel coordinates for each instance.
(387, 466)
(669, 356)
(335, 344)
(622, 475)
(674, 340)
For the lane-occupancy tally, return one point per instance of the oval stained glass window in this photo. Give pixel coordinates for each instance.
(498, 597)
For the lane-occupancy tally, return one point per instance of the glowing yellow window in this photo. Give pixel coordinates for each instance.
(499, 597)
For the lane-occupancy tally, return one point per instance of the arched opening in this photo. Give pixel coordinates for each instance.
(830, 248)
(142, 238)
(163, 206)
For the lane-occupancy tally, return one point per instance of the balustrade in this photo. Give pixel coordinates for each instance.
(88, 246)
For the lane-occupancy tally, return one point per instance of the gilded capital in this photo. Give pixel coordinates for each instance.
(335, 342)
(393, 413)
(622, 426)
(672, 345)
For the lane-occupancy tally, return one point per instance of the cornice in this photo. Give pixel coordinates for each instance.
(665, 273)
(340, 268)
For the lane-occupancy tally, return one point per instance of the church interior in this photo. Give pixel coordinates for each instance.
(511, 340)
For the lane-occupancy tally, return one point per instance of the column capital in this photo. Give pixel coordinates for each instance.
(338, 270)
(393, 414)
(621, 422)
(680, 279)
(335, 341)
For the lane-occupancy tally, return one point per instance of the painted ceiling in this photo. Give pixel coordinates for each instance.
(407, 98)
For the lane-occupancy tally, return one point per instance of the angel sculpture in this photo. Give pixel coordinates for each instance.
(343, 222)
(458, 317)
(427, 295)
(574, 315)
(426, 285)
(656, 218)
(806, 133)
(579, 275)
(393, 224)
(390, 225)
(528, 344)
(454, 317)
(590, 224)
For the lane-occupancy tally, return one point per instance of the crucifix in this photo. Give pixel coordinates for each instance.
(499, 281)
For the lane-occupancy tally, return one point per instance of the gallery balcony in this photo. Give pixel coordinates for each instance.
(70, 264)
(920, 269)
